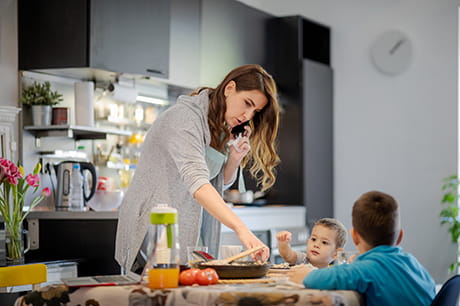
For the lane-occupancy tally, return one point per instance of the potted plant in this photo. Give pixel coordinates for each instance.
(41, 98)
(449, 213)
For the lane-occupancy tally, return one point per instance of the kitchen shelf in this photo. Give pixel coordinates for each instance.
(74, 131)
(130, 125)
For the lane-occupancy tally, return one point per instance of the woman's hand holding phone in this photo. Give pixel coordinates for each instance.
(239, 129)
(239, 144)
(238, 147)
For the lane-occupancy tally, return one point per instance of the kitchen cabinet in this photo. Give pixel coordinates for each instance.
(87, 238)
(130, 36)
(185, 35)
(232, 34)
(299, 56)
(295, 38)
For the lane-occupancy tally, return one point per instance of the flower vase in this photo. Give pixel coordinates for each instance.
(14, 244)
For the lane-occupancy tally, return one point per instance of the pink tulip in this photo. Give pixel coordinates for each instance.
(10, 171)
(46, 192)
(33, 180)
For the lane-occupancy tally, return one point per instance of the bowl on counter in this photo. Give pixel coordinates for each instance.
(106, 200)
(238, 269)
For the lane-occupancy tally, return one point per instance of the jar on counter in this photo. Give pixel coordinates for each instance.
(126, 175)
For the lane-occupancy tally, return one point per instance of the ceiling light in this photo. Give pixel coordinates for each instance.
(152, 100)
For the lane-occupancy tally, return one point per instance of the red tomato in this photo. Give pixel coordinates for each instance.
(188, 277)
(207, 276)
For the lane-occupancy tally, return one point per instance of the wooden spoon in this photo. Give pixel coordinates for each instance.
(237, 256)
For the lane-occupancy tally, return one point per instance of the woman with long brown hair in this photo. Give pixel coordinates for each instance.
(190, 156)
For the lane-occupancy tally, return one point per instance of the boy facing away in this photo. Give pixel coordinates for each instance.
(328, 236)
(382, 271)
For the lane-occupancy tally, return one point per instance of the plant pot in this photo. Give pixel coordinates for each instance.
(41, 115)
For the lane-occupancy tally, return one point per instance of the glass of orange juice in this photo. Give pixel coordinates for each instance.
(160, 278)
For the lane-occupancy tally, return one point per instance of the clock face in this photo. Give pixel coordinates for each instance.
(392, 52)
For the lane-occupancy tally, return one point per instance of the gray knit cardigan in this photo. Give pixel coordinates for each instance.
(171, 168)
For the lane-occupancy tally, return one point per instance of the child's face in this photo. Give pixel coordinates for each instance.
(321, 246)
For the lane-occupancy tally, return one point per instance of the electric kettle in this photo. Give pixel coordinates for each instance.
(63, 177)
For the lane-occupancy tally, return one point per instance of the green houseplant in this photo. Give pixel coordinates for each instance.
(41, 98)
(40, 94)
(449, 213)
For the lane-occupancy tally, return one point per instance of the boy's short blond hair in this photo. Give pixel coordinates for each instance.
(338, 227)
(375, 217)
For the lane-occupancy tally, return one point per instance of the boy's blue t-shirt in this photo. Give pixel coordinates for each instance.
(385, 274)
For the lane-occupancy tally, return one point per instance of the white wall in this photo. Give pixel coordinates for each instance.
(9, 58)
(395, 134)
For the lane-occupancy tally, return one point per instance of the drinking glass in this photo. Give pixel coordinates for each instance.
(345, 257)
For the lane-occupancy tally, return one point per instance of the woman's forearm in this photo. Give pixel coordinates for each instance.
(230, 169)
(210, 199)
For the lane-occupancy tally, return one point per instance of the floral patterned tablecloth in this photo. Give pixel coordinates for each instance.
(221, 294)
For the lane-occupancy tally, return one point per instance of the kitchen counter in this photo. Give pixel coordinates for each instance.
(89, 236)
(55, 214)
(269, 216)
(256, 217)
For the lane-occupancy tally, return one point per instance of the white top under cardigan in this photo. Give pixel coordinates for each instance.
(171, 168)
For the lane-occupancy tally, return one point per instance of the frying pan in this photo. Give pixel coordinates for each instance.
(238, 269)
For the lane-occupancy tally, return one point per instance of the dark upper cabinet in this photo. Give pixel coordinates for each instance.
(130, 36)
(232, 34)
(299, 59)
(293, 39)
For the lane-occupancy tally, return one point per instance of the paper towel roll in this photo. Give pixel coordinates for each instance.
(84, 103)
(124, 93)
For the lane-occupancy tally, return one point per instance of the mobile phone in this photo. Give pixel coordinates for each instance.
(239, 129)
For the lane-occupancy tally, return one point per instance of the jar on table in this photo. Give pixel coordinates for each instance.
(162, 268)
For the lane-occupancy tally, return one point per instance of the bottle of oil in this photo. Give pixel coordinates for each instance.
(162, 268)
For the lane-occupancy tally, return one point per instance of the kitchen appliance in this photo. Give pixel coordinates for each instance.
(64, 183)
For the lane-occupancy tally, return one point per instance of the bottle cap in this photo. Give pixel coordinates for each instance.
(76, 166)
(163, 214)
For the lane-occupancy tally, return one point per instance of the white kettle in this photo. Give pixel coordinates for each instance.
(63, 176)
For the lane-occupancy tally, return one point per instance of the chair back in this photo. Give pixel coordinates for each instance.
(449, 293)
(21, 275)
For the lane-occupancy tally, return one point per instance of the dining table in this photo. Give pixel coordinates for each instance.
(266, 291)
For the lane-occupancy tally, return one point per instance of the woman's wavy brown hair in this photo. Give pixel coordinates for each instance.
(263, 156)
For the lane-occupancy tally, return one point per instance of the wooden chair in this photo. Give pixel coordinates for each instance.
(20, 275)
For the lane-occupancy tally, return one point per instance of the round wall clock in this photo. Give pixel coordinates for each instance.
(391, 52)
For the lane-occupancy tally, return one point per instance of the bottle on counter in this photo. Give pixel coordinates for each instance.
(76, 189)
(162, 268)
